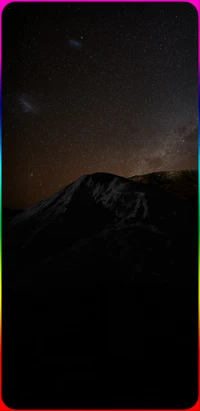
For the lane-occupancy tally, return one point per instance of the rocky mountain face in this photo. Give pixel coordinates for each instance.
(101, 298)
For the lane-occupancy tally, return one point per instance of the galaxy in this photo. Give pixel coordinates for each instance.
(96, 87)
(26, 105)
(75, 43)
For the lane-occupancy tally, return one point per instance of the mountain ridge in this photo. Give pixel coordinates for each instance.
(100, 288)
(152, 178)
(183, 183)
(119, 198)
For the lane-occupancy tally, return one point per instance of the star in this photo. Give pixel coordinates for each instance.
(86, 93)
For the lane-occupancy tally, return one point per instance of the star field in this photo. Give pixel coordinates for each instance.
(108, 87)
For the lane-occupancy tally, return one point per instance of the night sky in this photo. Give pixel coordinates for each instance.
(108, 87)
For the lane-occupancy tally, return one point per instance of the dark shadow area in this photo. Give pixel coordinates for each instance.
(100, 300)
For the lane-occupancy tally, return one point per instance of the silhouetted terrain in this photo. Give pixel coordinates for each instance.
(100, 298)
(9, 214)
(183, 183)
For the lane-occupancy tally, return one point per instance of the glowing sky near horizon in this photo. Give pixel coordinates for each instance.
(96, 87)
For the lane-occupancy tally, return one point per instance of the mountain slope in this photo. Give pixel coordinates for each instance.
(8, 214)
(100, 283)
(91, 204)
(183, 183)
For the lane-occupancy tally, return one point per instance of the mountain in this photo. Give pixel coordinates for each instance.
(93, 203)
(8, 214)
(101, 290)
(181, 183)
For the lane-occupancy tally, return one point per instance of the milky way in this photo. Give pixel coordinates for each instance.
(108, 87)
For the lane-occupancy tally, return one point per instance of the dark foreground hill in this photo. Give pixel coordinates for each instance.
(100, 299)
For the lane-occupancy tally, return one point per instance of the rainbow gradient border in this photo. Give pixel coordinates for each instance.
(3, 3)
